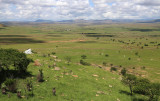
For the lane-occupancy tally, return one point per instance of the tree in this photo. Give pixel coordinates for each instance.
(12, 57)
(129, 80)
(145, 87)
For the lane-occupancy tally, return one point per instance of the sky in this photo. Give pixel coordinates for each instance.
(56, 10)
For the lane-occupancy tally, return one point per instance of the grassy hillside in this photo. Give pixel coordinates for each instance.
(133, 46)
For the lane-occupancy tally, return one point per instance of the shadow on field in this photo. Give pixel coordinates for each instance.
(137, 99)
(100, 35)
(124, 92)
(86, 42)
(2, 28)
(54, 35)
(91, 33)
(143, 30)
(13, 73)
(133, 98)
(19, 41)
(13, 36)
(154, 35)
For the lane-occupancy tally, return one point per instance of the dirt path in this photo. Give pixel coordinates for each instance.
(66, 41)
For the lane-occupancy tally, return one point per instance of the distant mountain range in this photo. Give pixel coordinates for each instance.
(106, 21)
(41, 20)
(102, 21)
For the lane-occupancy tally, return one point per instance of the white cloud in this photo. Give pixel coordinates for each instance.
(78, 9)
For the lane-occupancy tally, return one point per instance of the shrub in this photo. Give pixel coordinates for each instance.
(113, 69)
(83, 56)
(40, 76)
(143, 67)
(136, 53)
(104, 63)
(53, 53)
(123, 71)
(133, 68)
(84, 63)
(29, 84)
(13, 57)
(11, 85)
(107, 55)
(3, 88)
(145, 44)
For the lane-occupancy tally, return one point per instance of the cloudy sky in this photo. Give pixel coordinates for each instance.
(30, 10)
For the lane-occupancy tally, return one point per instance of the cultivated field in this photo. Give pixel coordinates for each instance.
(135, 47)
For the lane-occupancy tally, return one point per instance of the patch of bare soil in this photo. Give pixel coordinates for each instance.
(66, 41)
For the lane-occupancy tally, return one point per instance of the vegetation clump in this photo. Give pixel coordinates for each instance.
(84, 63)
(123, 71)
(12, 57)
(113, 69)
(40, 76)
(83, 56)
(104, 64)
(11, 84)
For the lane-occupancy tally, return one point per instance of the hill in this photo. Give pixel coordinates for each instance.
(1, 25)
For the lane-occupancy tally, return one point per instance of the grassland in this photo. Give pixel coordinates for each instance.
(76, 82)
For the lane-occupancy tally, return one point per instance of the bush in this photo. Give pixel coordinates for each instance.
(113, 69)
(142, 47)
(3, 88)
(15, 58)
(29, 84)
(84, 63)
(40, 76)
(53, 53)
(136, 53)
(104, 63)
(145, 44)
(83, 56)
(143, 67)
(133, 68)
(123, 71)
(107, 55)
(11, 85)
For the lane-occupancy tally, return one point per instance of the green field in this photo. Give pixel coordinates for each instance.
(135, 47)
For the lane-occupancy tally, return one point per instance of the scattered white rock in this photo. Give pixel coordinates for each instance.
(95, 75)
(28, 51)
(118, 99)
(57, 68)
(110, 86)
